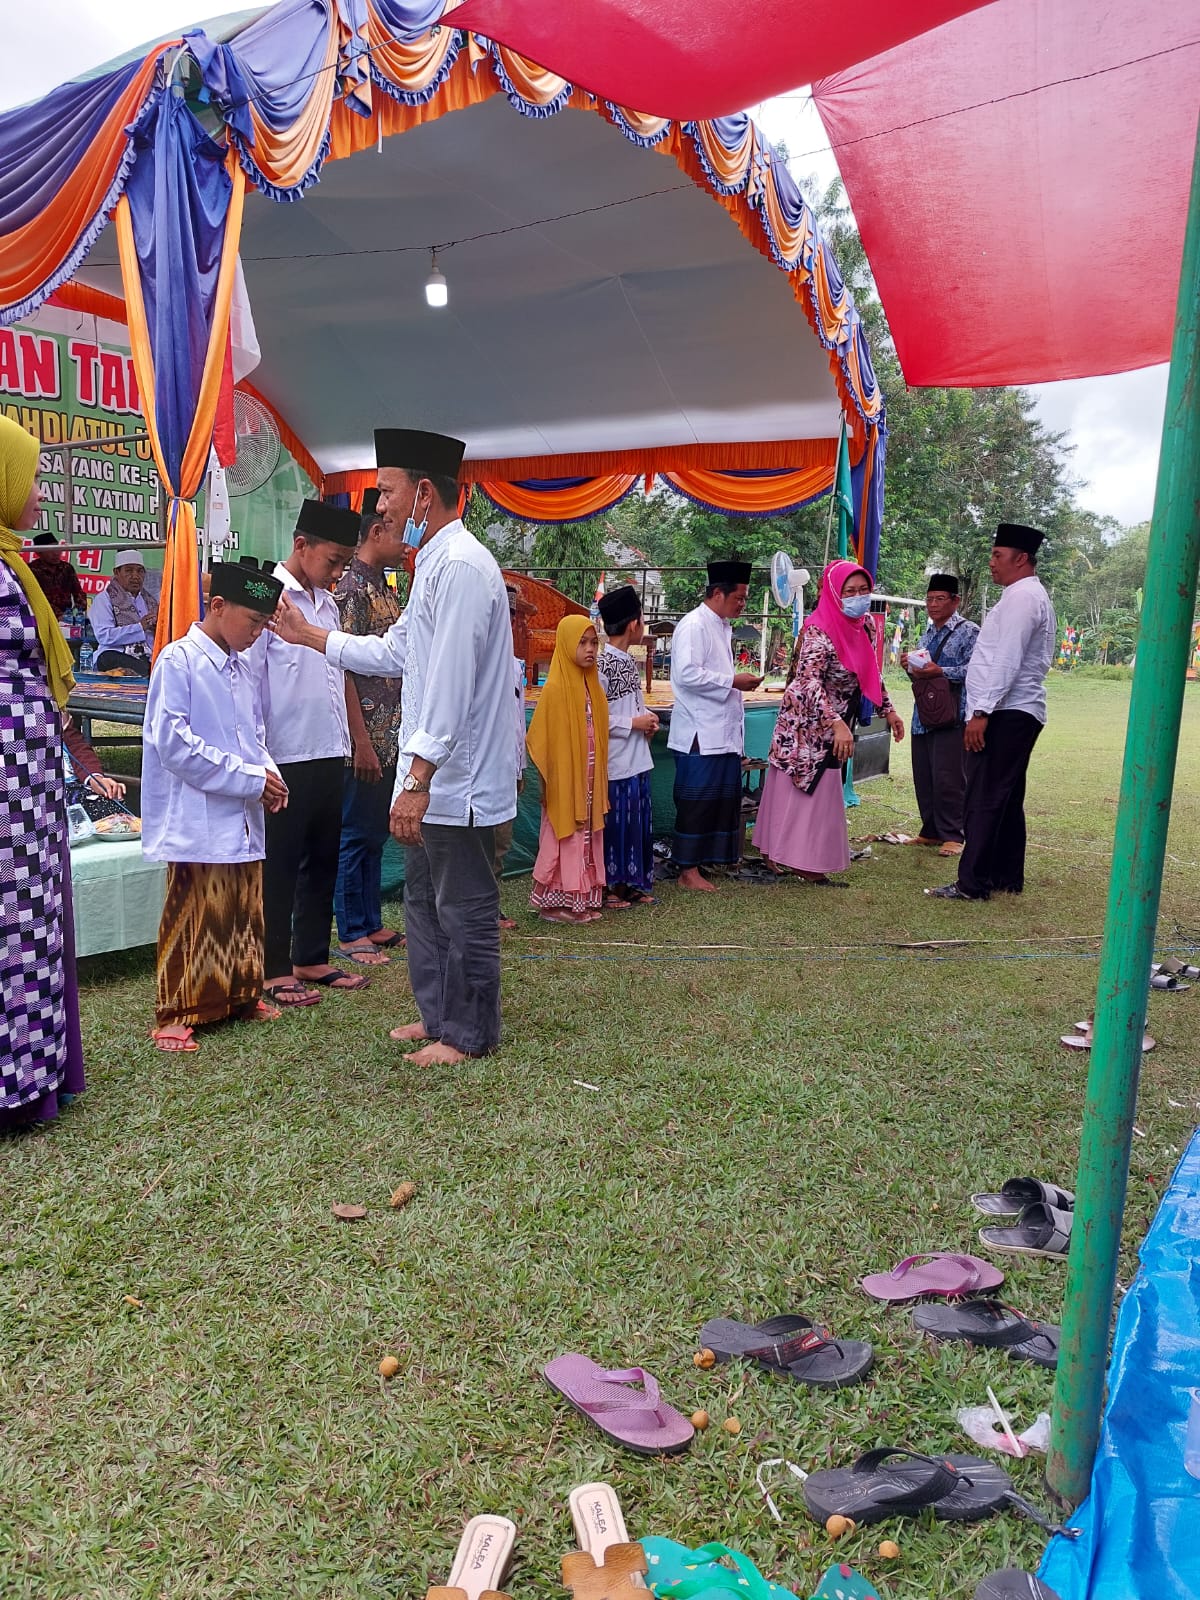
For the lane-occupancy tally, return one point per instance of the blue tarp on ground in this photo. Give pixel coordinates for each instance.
(1141, 1522)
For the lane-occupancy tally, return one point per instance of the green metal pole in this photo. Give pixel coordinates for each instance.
(1135, 885)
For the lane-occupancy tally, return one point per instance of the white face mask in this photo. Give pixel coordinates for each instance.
(414, 532)
(856, 605)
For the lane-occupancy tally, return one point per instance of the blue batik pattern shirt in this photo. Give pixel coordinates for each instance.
(954, 659)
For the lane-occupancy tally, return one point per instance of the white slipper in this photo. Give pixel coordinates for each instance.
(599, 1526)
(484, 1552)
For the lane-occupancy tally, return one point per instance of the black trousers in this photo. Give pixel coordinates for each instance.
(126, 661)
(300, 872)
(451, 911)
(940, 779)
(993, 855)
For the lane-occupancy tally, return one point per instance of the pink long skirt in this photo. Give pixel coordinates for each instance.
(805, 831)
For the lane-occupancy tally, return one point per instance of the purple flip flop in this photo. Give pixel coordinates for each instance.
(636, 1418)
(939, 1273)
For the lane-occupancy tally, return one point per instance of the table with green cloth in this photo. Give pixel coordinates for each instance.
(118, 896)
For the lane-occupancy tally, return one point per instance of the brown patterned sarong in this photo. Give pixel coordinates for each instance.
(210, 943)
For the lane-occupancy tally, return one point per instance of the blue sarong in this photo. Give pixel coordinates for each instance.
(708, 810)
(629, 835)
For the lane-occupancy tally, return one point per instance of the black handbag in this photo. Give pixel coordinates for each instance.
(936, 697)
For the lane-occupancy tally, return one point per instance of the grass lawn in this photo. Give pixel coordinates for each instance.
(786, 1101)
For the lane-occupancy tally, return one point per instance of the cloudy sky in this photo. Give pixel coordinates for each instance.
(1113, 423)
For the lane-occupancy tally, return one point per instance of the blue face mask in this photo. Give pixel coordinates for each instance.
(414, 532)
(856, 605)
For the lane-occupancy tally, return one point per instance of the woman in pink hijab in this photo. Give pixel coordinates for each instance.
(802, 818)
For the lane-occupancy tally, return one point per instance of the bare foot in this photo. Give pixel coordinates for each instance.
(693, 878)
(174, 1039)
(409, 1032)
(437, 1055)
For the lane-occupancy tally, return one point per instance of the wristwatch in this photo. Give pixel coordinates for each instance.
(975, 715)
(413, 785)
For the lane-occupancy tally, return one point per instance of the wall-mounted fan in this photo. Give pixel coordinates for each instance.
(257, 445)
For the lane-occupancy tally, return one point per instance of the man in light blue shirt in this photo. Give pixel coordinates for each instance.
(938, 759)
(455, 778)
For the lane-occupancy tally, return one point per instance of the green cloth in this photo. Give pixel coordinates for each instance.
(118, 896)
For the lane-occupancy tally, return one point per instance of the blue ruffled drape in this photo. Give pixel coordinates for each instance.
(179, 195)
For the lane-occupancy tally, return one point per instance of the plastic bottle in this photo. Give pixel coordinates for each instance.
(87, 657)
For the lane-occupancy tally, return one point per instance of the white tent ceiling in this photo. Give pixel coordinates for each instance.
(650, 323)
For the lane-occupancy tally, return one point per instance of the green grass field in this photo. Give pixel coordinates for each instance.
(786, 1101)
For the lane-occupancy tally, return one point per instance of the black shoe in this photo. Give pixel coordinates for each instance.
(951, 891)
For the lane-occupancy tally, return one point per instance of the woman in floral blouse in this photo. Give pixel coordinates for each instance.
(802, 818)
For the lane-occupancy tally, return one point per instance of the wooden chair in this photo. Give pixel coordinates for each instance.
(538, 618)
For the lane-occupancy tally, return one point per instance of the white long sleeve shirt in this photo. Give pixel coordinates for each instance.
(453, 648)
(108, 635)
(303, 693)
(707, 709)
(1013, 652)
(519, 724)
(628, 749)
(204, 756)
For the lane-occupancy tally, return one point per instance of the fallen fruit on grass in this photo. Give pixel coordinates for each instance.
(837, 1526)
(732, 1425)
(704, 1359)
(132, 1300)
(700, 1420)
(389, 1367)
(345, 1212)
(889, 1550)
(402, 1195)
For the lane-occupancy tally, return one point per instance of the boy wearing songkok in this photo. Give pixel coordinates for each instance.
(206, 782)
(628, 832)
(308, 734)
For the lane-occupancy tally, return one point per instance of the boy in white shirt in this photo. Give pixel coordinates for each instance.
(308, 734)
(628, 832)
(206, 781)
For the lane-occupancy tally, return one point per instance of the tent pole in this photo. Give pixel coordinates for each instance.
(1135, 885)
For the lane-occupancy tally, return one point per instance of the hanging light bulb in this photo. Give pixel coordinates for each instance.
(437, 292)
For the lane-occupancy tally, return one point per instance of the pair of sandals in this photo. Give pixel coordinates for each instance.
(626, 1403)
(1173, 975)
(606, 1566)
(954, 1278)
(1045, 1215)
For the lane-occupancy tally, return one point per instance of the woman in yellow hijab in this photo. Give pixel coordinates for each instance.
(40, 1056)
(568, 744)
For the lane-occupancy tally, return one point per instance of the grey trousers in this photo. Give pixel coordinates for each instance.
(940, 779)
(451, 912)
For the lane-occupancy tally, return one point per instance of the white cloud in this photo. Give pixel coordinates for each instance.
(55, 40)
(1115, 424)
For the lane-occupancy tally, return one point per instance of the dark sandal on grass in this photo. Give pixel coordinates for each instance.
(390, 943)
(792, 1346)
(900, 1483)
(992, 1323)
(1015, 1194)
(1040, 1230)
(291, 993)
(1014, 1584)
(344, 982)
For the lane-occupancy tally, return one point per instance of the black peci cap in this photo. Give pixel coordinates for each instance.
(335, 524)
(242, 584)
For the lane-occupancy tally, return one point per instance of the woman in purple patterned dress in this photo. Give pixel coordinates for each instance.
(802, 816)
(41, 1059)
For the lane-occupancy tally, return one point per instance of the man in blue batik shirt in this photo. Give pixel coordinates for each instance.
(939, 768)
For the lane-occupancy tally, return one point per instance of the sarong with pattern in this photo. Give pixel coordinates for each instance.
(33, 857)
(210, 943)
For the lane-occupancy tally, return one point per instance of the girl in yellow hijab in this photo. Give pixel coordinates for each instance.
(568, 744)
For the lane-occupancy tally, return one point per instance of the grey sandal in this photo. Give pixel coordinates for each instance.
(1040, 1230)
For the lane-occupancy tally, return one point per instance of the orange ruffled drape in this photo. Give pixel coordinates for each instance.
(180, 603)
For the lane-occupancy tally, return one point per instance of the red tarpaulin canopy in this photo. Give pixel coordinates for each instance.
(677, 58)
(1020, 181)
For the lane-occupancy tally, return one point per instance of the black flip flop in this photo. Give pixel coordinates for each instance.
(1014, 1584)
(1040, 1230)
(1017, 1193)
(886, 1483)
(993, 1324)
(330, 980)
(293, 987)
(390, 943)
(792, 1346)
